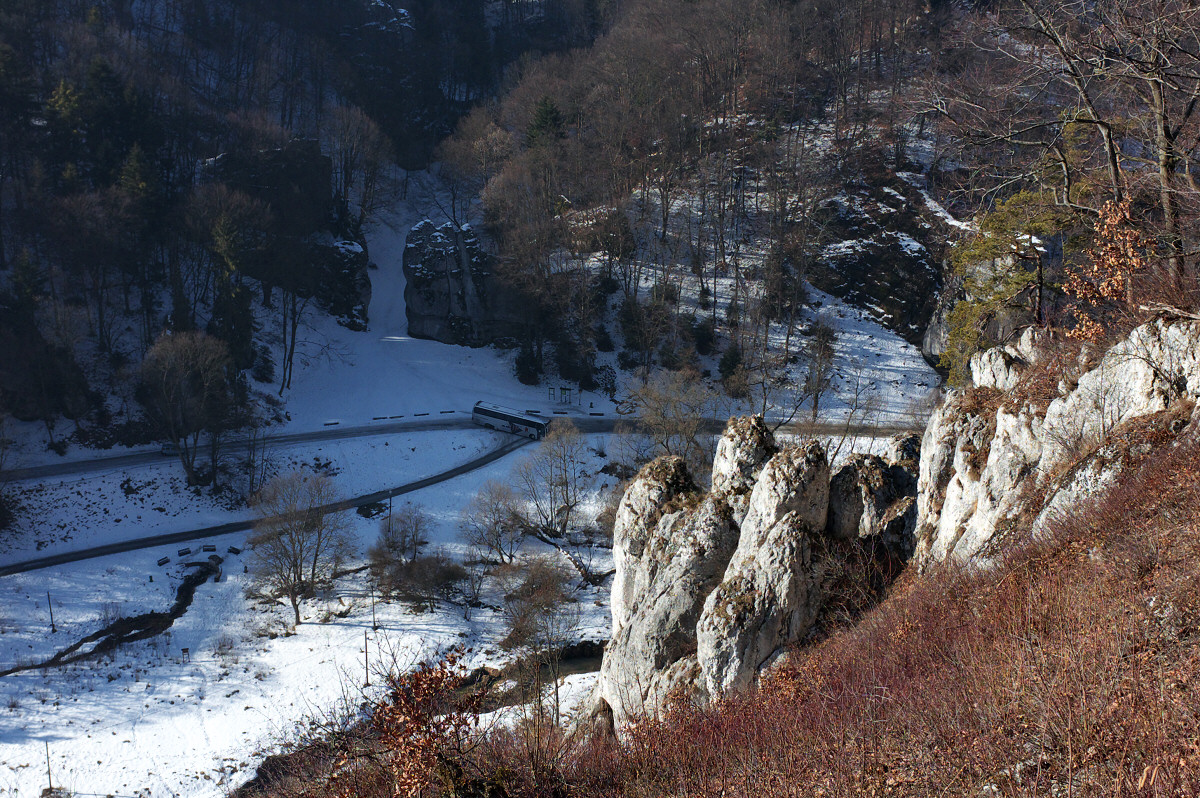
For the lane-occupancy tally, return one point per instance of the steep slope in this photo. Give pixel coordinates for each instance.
(1064, 659)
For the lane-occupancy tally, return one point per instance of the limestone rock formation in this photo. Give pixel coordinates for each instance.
(657, 486)
(344, 284)
(668, 558)
(874, 497)
(654, 652)
(741, 453)
(887, 253)
(992, 461)
(450, 292)
(709, 587)
(937, 331)
(1001, 367)
(769, 595)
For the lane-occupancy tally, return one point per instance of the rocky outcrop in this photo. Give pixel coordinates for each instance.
(345, 286)
(450, 292)
(936, 337)
(1001, 367)
(741, 453)
(1002, 324)
(659, 485)
(317, 250)
(887, 253)
(654, 651)
(710, 587)
(769, 595)
(670, 549)
(872, 497)
(975, 460)
(992, 461)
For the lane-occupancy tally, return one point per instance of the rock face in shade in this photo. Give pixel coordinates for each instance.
(451, 294)
(317, 255)
(710, 587)
(872, 497)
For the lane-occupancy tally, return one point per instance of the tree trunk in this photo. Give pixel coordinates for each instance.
(214, 455)
(1164, 142)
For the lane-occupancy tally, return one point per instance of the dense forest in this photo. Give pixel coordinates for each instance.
(163, 160)
(693, 134)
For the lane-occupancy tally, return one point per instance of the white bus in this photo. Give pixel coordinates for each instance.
(508, 420)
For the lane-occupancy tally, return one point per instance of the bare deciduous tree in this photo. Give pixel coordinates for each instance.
(552, 480)
(428, 579)
(819, 356)
(360, 152)
(491, 522)
(185, 389)
(401, 535)
(541, 615)
(672, 410)
(297, 546)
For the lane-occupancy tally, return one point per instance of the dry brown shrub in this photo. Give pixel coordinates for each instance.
(1039, 383)
(421, 738)
(981, 401)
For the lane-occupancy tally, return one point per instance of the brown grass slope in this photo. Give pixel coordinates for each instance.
(1071, 669)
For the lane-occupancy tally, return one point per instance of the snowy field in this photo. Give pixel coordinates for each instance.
(73, 513)
(149, 721)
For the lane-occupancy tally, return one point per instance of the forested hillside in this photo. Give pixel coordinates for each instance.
(701, 161)
(764, 140)
(172, 165)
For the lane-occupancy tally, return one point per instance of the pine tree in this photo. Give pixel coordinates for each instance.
(1003, 269)
(547, 124)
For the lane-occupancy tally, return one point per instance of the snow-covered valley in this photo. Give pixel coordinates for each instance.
(193, 711)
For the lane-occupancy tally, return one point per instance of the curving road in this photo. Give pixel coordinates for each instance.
(443, 420)
(587, 424)
(242, 526)
(435, 421)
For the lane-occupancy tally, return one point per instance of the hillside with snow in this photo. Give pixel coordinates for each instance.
(148, 719)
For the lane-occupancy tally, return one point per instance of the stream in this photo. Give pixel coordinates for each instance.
(130, 630)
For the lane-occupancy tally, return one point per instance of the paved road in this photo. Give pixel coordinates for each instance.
(588, 424)
(444, 420)
(242, 526)
(434, 421)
